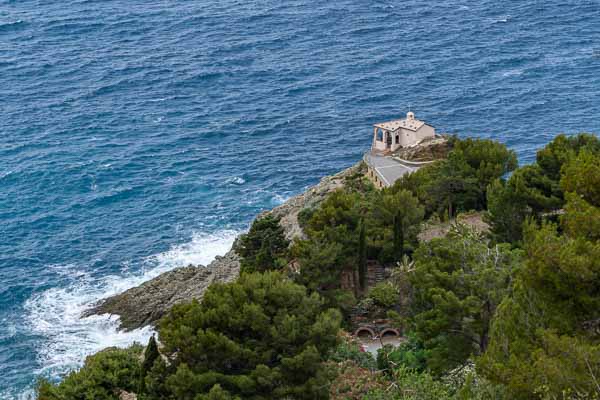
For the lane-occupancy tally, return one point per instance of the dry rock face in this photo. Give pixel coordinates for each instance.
(288, 211)
(146, 304)
(429, 149)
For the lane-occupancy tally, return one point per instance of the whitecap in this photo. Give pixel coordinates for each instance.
(279, 199)
(54, 314)
(5, 174)
(513, 72)
(236, 180)
(503, 19)
(28, 394)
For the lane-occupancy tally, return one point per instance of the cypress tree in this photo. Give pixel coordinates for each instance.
(150, 355)
(362, 256)
(398, 236)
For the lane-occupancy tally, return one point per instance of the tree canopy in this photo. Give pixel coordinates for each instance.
(545, 336)
(458, 282)
(261, 337)
(459, 183)
(264, 247)
(102, 377)
(535, 191)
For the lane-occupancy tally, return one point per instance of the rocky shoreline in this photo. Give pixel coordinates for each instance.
(145, 304)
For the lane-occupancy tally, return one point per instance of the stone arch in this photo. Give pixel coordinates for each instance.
(390, 332)
(365, 329)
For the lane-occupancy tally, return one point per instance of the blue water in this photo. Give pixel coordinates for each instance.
(140, 136)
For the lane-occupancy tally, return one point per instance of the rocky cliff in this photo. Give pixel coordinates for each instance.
(146, 304)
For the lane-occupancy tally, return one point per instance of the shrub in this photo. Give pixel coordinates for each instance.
(410, 385)
(349, 350)
(458, 282)
(353, 382)
(102, 377)
(409, 354)
(384, 294)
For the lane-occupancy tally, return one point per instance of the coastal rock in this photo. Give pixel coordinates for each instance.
(288, 211)
(146, 304)
(430, 149)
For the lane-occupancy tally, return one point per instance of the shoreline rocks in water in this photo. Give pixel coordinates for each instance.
(145, 304)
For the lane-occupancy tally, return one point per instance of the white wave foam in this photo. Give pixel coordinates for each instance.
(279, 199)
(513, 72)
(236, 180)
(55, 313)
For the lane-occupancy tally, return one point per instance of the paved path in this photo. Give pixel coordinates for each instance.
(388, 169)
(372, 345)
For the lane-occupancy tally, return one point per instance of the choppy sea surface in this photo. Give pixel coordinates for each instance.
(138, 136)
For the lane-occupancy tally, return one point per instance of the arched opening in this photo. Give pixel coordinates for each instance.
(390, 333)
(364, 333)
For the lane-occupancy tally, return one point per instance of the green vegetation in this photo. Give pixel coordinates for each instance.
(362, 256)
(101, 378)
(264, 247)
(545, 336)
(410, 354)
(151, 354)
(261, 337)
(410, 385)
(460, 182)
(513, 313)
(401, 213)
(384, 294)
(348, 350)
(534, 191)
(458, 282)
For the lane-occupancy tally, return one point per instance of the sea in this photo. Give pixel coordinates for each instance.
(141, 136)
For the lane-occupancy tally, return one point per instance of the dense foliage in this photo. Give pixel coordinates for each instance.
(259, 337)
(102, 377)
(264, 247)
(460, 182)
(384, 294)
(521, 302)
(410, 354)
(534, 191)
(545, 337)
(458, 282)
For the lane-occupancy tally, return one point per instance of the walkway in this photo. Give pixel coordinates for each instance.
(388, 169)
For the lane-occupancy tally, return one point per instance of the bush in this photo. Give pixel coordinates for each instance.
(384, 294)
(410, 385)
(353, 382)
(459, 183)
(348, 350)
(102, 377)
(410, 355)
(543, 341)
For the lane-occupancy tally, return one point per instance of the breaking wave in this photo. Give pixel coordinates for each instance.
(55, 313)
